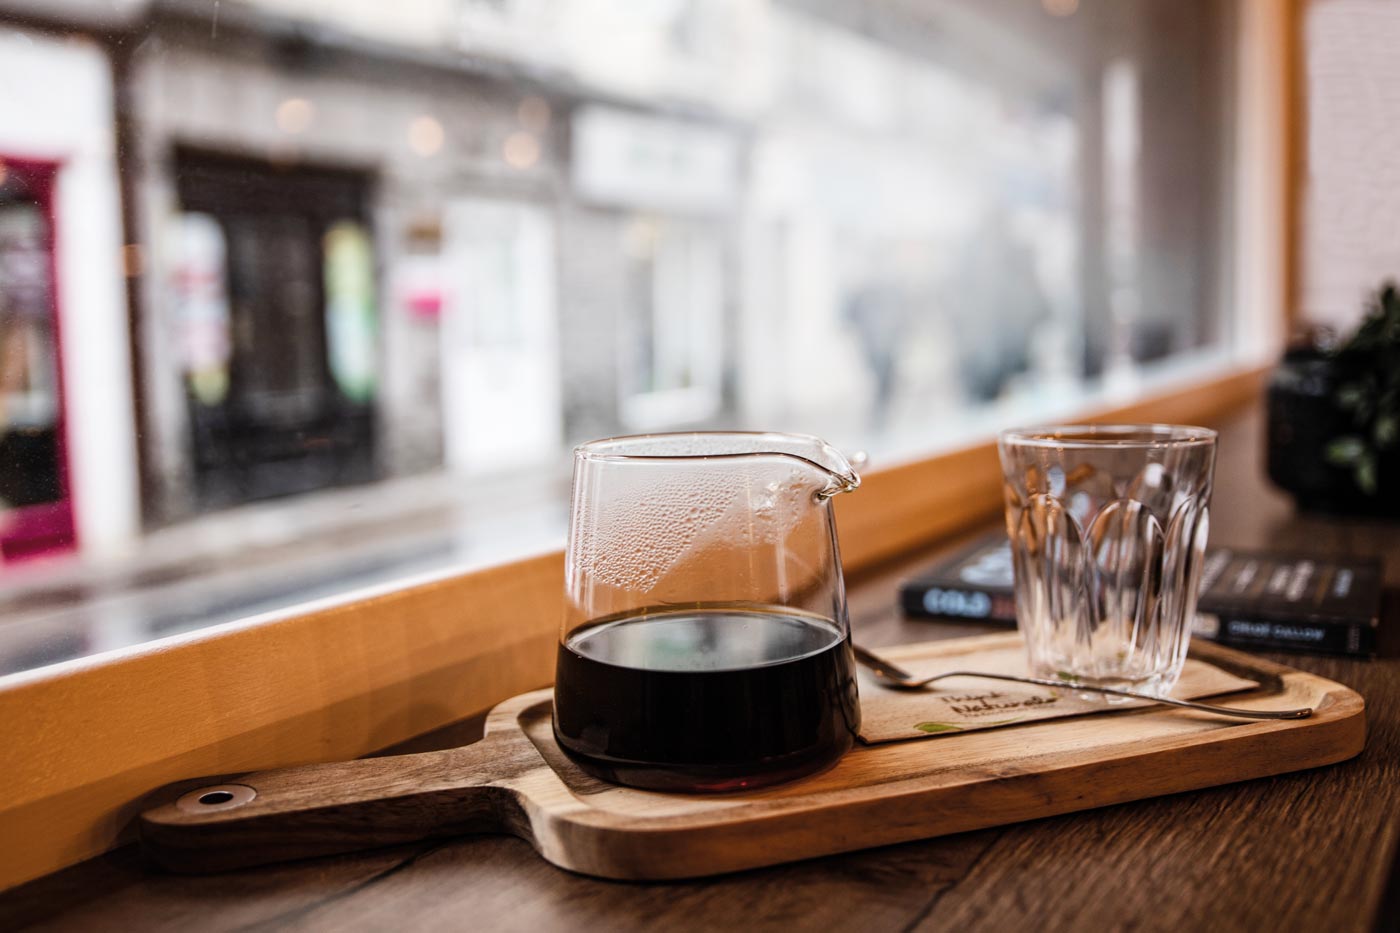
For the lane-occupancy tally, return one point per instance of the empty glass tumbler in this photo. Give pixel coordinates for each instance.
(705, 644)
(1108, 527)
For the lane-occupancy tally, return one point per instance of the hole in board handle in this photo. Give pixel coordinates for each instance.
(214, 799)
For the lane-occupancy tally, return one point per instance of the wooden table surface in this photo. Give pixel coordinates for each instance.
(1308, 851)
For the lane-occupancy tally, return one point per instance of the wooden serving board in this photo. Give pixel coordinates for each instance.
(515, 780)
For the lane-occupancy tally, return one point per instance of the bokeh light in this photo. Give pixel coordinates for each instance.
(521, 149)
(425, 135)
(295, 114)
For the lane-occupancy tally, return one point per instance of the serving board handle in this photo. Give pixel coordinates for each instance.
(324, 809)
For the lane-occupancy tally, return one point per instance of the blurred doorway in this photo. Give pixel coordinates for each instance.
(500, 365)
(278, 314)
(36, 512)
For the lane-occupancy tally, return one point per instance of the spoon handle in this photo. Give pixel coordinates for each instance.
(1236, 712)
(898, 677)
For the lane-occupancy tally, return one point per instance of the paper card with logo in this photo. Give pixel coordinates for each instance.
(967, 704)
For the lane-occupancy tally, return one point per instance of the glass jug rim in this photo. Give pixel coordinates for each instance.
(1099, 436)
(603, 449)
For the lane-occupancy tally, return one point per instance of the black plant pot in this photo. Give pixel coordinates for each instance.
(1303, 420)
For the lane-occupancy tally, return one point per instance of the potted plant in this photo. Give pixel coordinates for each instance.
(1334, 418)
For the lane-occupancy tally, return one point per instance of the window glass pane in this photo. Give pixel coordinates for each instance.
(328, 290)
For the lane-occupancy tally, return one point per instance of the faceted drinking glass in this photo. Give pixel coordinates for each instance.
(705, 644)
(1108, 527)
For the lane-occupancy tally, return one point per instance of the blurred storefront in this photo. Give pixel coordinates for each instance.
(33, 446)
(446, 238)
(67, 448)
(355, 242)
(289, 191)
(356, 253)
(661, 196)
(276, 310)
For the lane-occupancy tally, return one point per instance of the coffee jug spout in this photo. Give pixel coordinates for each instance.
(837, 473)
(835, 483)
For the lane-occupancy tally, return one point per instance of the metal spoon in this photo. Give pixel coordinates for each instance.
(897, 677)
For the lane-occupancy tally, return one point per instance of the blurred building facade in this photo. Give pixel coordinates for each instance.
(479, 186)
(363, 240)
(69, 449)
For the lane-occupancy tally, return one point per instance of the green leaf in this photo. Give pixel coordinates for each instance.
(1366, 474)
(936, 727)
(1350, 396)
(1345, 450)
(1387, 429)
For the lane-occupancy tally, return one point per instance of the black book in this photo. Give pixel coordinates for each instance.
(1249, 599)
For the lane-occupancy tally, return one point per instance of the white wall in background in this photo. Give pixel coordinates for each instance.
(1351, 207)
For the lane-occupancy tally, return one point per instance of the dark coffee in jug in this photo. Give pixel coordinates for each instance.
(715, 698)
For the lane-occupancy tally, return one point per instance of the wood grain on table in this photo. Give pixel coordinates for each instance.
(1308, 851)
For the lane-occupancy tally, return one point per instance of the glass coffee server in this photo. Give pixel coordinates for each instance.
(705, 643)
